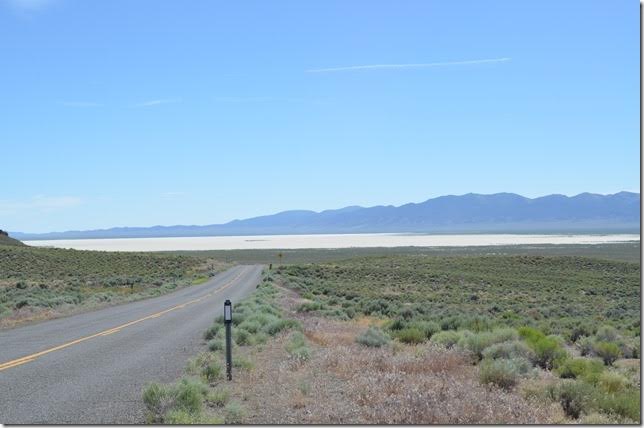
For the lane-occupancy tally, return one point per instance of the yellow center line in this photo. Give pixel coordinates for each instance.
(32, 357)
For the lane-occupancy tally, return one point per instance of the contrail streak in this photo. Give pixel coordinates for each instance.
(388, 66)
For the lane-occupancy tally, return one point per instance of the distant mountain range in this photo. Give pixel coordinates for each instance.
(471, 213)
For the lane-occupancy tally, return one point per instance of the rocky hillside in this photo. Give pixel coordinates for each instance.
(6, 240)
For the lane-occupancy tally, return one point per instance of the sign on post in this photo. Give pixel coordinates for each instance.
(228, 320)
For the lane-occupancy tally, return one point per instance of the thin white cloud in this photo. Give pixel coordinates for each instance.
(39, 203)
(80, 104)
(152, 103)
(243, 99)
(403, 66)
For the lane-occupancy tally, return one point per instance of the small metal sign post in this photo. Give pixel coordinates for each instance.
(228, 320)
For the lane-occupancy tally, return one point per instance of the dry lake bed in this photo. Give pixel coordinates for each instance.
(326, 241)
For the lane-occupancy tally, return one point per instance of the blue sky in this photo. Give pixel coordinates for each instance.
(137, 113)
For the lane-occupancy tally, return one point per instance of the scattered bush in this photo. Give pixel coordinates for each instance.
(607, 333)
(243, 337)
(476, 343)
(206, 366)
(585, 345)
(297, 347)
(507, 350)
(218, 397)
(190, 394)
(212, 371)
(447, 338)
(373, 337)
(581, 368)
(185, 396)
(242, 363)
(158, 400)
(612, 382)
(233, 413)
(428, 328)
(410, 335)
(216, 345)
(250, 325)
(502, 372)
(278, 325)
(548, 351)
(574, 397)
(625, 404)
(607, 351)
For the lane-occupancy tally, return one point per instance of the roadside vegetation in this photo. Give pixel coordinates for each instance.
(563, 330)
(400, 339)
(203, 395)
(42, 283)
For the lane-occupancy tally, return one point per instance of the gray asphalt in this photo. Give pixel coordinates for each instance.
(100, 379)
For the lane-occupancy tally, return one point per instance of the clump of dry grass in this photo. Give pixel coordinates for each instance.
(432, 387)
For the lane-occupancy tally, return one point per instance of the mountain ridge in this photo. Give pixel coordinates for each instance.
(468, 213)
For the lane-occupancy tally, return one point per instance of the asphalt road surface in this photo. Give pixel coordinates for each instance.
(91, 368)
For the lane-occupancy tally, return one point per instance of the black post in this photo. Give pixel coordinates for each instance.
(228, 320)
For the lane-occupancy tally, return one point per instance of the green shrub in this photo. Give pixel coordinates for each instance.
(625, 404)
(397, 324)
(185, 396)
(373, 337)
(504, 334)
(190, 394)
(428, 328)
(158, 400)
(548, 351)
(311, 306)
(512, 349)
(476, 343)
(180, 417)
(607, 351)
(218, 397)
(410, 335)
(216, 345)
(233, 413)
(612, 382)
(629, 348)
(585, 345)
(212, 371)
(206, 366)
(581, 368)
(477, 323)
(297, 347)
(297, 340)
(302, 353)
(530, 335)
(243, 337)
(575, 397)
(607, 333)
(578, 332)
(447, 338)
(250, 326)
(276, 326)
(502, 372)
(242, 363)
(594, 368)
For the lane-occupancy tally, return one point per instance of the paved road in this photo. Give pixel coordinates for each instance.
(91, 368)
